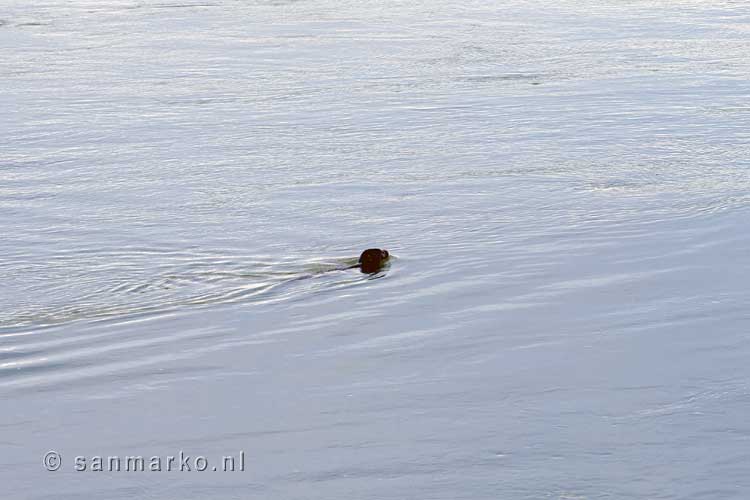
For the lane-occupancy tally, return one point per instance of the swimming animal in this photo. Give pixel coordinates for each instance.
(372, 260)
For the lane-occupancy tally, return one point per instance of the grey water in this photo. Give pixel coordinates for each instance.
(564, 187)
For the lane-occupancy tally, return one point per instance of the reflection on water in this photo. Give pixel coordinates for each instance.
(182, 185)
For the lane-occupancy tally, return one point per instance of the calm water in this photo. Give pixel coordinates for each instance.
(565, 188)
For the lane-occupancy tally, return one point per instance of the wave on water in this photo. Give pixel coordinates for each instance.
(106, 286)
(110, 297)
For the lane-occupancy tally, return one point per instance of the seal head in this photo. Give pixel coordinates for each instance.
(372, 260)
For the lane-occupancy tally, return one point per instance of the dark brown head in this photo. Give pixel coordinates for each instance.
(372, 260)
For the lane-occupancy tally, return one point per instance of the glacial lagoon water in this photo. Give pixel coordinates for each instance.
(564, 187)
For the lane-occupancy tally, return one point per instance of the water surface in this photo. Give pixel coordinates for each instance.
(564, 187)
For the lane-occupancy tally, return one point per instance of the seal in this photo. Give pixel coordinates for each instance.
(372, 260)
